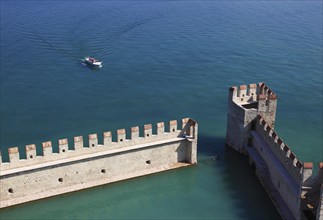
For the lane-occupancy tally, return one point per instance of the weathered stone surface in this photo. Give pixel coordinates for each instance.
(71, 170)
(251, 130)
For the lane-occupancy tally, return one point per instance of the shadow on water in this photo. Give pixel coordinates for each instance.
(239, 178)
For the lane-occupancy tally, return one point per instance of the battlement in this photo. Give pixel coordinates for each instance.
(280, 149)
(308, 171)
(247, 101)
(250, 130)
(300, 171)
(248, 95)
(78, 147)
(77, 165)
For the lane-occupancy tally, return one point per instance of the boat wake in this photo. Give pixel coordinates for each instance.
(74, 41)
(106, 46)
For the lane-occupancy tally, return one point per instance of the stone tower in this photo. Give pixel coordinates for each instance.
(289, 182)
(245, 103)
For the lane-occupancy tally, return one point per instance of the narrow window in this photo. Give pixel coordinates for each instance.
(60, 180)
(63, 150)
(147, 135)
(103, 171)
(92, 145)
(173, 129)
(148, 162)
(121, 140)
(10, 190)
(30, 156)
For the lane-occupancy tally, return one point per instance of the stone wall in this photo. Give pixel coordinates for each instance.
(245, 102)
(279, 149)
(250, 130)
(78, 167)
(319, 213)
(284, 168)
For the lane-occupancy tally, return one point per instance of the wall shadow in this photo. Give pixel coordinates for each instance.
(239, 179)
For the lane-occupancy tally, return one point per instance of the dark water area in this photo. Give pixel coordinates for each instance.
(163, 60)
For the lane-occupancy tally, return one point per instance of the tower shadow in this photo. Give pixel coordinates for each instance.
(239, 178)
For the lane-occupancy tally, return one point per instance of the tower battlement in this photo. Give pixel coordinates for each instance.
(246, 94)
(245, 103)
(250, 130)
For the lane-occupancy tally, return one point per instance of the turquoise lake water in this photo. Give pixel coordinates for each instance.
(163, 60)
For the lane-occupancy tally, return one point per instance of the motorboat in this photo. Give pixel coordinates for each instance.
(93, 62)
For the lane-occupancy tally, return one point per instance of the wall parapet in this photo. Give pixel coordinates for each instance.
(251, 93)
(87, 156)
(76, 166)
(78, 147)
(281, 150)
(250, 128)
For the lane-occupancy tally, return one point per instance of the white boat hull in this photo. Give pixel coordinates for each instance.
(95, 63)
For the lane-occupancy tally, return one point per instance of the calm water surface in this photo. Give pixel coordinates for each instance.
(163, 60)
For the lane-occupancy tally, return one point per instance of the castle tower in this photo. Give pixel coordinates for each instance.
(244, 104)
(295, 192)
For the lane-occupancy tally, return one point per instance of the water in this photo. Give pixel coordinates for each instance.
(163, 60)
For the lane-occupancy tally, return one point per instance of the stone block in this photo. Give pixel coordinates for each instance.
(134, 133)
(173, 126)
(107, 138)
(121, 134)
(47, 148)
(148, 130)
(78, 143)
(31, 151)
(160, 128)
(13, 154)
(93, 140)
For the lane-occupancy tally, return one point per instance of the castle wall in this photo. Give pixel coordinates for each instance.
(319, 213)
(235, 130)
(267, 104)
(250, 130)
(41, 176)
(243, 107)
(285, 175)
(279, 149)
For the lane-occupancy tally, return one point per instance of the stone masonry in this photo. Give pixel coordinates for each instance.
(289, 182)
(78, 167)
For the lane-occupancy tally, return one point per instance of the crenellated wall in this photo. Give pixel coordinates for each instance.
(77, 166)
(279, 149)
(244, 104)
(285, 170)
(250, 130)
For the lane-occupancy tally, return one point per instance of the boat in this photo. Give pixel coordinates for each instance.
(93, 62)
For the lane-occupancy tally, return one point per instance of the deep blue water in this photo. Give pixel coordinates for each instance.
(163, 60)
